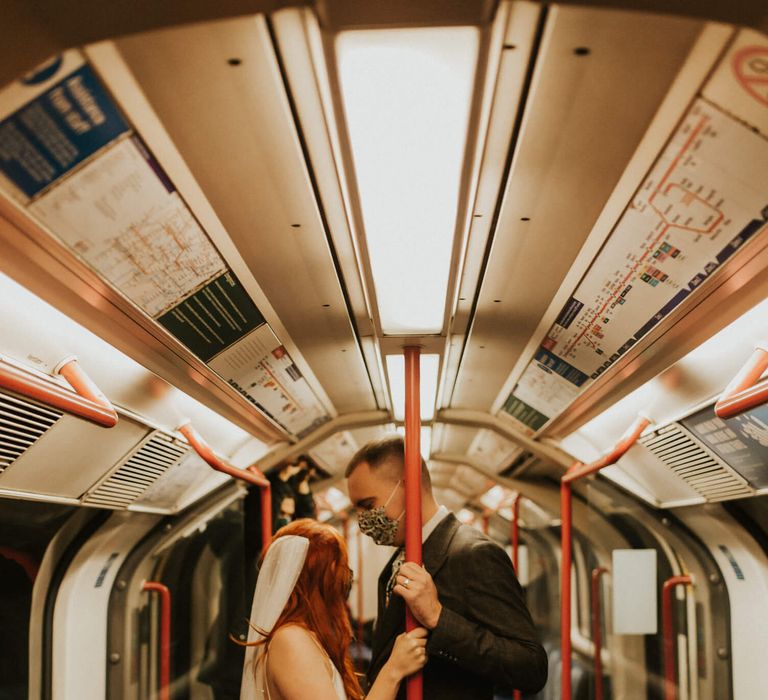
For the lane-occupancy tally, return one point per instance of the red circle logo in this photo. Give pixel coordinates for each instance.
(750, 65)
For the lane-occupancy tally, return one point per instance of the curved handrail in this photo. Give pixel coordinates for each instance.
(745, 390)
(668, 631)
(164, 692)
(597, 632)
(86, 401)
(24, 560)
(252, 475)
(577, 471)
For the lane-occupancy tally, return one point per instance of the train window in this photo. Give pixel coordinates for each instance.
(206, 574)
(26, 528)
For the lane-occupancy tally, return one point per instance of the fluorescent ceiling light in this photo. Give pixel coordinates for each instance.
(493, 497)
(427, 383)
(466, 516)
(407, 96)
(337, 500)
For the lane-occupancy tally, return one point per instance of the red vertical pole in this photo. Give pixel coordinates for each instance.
(515, 551)
(597, 631)
(565, 588)
(360, 617)
(266, 516)
(165, 636)
(486, 523)
(515, 531)
(414, 685)
(668, 631)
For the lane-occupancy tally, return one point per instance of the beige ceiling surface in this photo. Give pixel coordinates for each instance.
(584, 119)
(234, 128)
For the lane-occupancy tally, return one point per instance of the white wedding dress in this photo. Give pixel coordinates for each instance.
(277, 578)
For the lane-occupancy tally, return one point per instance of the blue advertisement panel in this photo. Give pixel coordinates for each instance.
(50, 135)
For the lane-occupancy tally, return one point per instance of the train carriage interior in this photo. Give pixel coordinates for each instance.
(236, 237)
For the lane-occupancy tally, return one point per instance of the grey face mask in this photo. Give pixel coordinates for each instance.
(375, 523)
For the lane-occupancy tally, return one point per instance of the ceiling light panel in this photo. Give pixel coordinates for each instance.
(407, 95)
(428, 373)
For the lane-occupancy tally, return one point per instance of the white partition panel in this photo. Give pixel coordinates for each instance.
(635, 598)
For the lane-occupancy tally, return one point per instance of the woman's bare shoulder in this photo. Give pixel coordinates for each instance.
(298, 666)
(293, 639)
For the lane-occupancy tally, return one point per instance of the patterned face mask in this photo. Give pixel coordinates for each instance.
(375, 523)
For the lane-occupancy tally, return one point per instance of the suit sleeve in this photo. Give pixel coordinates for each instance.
(495, 636)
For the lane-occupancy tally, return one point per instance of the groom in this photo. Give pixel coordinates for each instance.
(466, 594)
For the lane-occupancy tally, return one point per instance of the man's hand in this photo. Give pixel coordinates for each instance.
(415, 586)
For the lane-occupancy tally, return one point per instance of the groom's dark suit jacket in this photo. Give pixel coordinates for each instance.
(485, 635)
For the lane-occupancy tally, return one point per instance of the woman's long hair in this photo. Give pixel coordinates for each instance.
(318, 601)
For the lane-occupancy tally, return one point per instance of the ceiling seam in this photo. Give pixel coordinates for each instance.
(513, 144)
(319, 202)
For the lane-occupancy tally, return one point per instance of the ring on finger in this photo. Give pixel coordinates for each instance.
(406, 582)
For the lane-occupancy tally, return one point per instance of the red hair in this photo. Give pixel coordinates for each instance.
(318, 601)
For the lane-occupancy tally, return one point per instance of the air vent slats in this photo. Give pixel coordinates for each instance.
(700, 468)
(19, 424)
(132, 477)
(22, 424)
(690, 462)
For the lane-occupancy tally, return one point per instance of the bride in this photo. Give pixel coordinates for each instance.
(300, 632)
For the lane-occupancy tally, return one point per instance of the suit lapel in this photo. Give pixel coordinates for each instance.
(435, 549)
(391, 620)
(378, 638)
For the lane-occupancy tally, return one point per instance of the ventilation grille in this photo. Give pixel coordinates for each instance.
(22, 424)
(702, 470)
(130, 479)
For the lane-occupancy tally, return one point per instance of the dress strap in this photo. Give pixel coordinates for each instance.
(331, 667)
(263, 660)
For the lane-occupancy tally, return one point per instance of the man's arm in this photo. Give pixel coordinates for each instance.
(496, 637)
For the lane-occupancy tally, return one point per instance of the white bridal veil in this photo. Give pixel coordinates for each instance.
(277, 578)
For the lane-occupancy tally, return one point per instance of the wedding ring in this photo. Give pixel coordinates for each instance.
(407, 582)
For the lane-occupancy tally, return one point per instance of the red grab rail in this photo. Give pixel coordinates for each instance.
(745, 391)
(252, 475)
(414, 684)
(86, 401)
(668, 630)
(515, 538)
(577, 471)
(360, 617)
(165, 636)
(597, 632)
(24, 560)
(515, 534)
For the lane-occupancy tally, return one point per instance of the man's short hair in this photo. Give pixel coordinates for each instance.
(389, 452)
